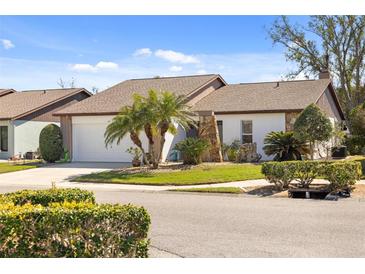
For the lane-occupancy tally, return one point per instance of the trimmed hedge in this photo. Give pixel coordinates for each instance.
(278, 173)
(340, 174)
(45, 197)
(67, 223)
(76, 230)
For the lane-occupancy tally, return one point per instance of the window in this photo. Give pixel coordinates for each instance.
(3, 138)
(220, 130)
(246, 128)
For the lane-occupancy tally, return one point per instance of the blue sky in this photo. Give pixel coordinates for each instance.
(100, 51)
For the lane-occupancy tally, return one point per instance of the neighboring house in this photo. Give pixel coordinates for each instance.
(24, 114)
(246, 112)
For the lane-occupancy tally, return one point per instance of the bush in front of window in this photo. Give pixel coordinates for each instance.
(50, 143)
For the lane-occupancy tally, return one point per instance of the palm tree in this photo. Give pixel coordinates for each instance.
(284, 146)
(128, 121)
(165, 111)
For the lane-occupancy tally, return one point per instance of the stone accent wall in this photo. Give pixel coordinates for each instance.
(290, 119)
(208, 130)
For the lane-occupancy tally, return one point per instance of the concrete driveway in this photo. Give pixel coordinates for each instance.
(57, 173)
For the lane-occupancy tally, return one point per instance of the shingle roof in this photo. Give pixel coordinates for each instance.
(268, 96)
(111, 100)
(20, 103)
(5, 91)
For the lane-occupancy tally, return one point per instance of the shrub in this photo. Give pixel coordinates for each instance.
(192, 150)
(362, 163)
(48, 196)
(342, 175)
(312, 125)
(50, 143)
(278, 173)
(282, 173)
(307, 171)
(284, 146)
(355, 144)
(73, 230)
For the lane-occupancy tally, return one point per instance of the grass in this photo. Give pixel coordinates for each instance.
(5, 167)
(195, 176)
(232, 190)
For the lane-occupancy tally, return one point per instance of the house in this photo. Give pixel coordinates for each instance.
(246, 112)
(24, 114)
(84, 123)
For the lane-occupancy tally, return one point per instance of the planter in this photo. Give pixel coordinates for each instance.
(339, 152)
(308, 193)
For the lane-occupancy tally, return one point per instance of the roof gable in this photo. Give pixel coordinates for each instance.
(264, 97)
(19, 104)
(112, 99)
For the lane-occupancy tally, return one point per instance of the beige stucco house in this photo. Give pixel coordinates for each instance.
(246, 112)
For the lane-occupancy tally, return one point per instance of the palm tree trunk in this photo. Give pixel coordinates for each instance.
(164, 128)
(311, 149)
(135, 139)
(151, 144)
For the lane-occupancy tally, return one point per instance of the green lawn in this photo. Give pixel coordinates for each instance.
(233, 190)
(5, 167)
(198, 175)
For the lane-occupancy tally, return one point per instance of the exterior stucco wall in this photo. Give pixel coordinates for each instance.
(262, 123)
(10, 152)
(26, 135)
(88, 141)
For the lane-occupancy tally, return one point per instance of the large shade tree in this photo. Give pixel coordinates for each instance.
(312, 126)
(334, 43)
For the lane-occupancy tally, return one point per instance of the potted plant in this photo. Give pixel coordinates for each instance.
(136, 153)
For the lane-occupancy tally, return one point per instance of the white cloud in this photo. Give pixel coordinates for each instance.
(143, 52)
(176, 68)
(106, 65)
(201, 71)
(83, 68)
(102, 65)
(176, 57)
(7, 44)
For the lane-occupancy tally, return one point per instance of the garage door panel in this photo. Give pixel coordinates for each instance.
(88, 145)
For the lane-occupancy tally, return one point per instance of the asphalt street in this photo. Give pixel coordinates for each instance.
(216, 225)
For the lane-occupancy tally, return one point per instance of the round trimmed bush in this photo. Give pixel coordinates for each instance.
(50, 143)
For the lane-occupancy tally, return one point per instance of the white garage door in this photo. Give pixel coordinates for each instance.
(88, 141)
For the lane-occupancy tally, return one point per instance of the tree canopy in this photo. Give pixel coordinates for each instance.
(312, 125)
(334, 43)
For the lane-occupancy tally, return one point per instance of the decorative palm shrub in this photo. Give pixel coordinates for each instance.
(284, 146)
(50, 143)
(192, 150)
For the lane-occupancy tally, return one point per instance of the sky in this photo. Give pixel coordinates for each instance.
(100, 51)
